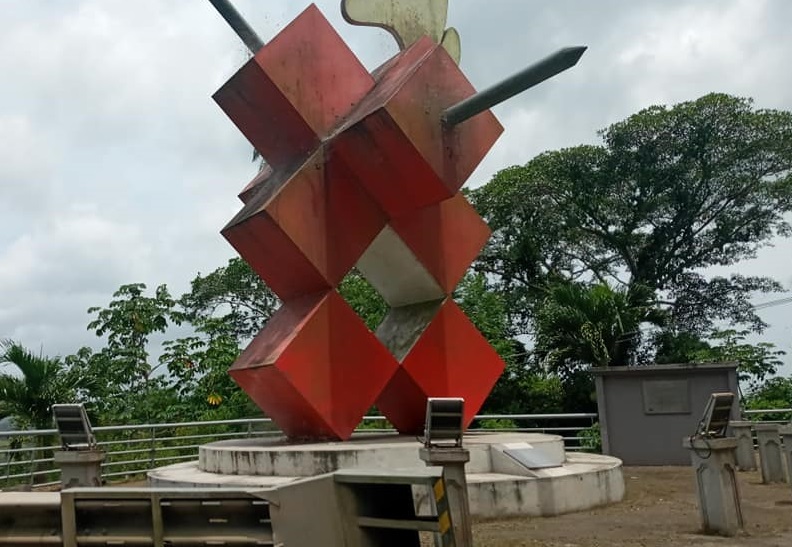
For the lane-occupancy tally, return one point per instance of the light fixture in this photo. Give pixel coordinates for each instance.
(444, 422)
(74, 427)
(716, 416)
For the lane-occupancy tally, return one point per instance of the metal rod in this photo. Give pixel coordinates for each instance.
(535, 74)
(238, 23)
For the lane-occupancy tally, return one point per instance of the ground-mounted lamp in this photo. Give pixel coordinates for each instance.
(444, 422)
(79, 458)
(714, 461)
(445, 425)
(715, 419)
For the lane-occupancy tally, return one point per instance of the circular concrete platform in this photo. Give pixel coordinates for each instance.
(280, 458)
(498, 486)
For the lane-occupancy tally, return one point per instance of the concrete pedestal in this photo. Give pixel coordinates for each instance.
(80, 467)
(786, 437)
(575, 481)
(716, 484)
(746, 455)
(453, 461)
(771, 460)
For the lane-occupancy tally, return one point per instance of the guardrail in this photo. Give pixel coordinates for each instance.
(26, 456)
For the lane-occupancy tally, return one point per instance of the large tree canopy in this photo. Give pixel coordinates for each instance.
(669, 193)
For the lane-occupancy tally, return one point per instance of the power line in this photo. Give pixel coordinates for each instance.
(773, 303)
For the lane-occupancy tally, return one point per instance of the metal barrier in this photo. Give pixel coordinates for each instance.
(353, 508)
(26, 456)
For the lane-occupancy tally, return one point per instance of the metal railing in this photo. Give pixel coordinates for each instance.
(760, 415)
(26, 457)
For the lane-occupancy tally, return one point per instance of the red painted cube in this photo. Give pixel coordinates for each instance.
(289, 95)
(302, 231)
(450, 358)
(445, 238)
(395, 141)
(315, 369)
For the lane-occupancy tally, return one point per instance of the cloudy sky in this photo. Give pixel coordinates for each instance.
(117, 167)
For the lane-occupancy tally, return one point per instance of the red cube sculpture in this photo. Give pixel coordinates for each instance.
(361, 170)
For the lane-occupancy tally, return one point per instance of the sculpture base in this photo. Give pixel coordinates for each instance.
(497, 487)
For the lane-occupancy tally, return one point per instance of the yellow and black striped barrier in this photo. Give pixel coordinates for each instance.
(446, 530)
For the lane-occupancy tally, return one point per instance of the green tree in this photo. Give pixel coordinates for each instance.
(772, 393)
(198, 367)
(127, 388)
(579, 325)
(670, 192)
(233, 293)
(40, 383)
(364, 299)
(755, 361)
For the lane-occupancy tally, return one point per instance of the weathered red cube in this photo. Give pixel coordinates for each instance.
(302, 231)
(423, 255)
(395, 141)
(448, 358)
(297, 87)
(315, 369)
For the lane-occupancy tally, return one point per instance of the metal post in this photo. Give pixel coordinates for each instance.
(238, 24)
(535, 74)
(153, 448)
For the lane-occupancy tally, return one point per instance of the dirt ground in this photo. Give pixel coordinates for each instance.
(659, 509)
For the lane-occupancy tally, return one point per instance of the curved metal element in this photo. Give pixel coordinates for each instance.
(406, 20)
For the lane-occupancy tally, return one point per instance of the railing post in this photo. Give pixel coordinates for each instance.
(153, 448)
(32, 462)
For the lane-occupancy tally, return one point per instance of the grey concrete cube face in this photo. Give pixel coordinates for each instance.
(392, 268)
(413, 294)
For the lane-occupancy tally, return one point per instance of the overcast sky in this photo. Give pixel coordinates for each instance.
(116, 166)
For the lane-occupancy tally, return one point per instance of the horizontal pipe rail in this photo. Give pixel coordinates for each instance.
(140, 439)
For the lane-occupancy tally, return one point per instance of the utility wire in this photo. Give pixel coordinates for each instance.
(773, 303)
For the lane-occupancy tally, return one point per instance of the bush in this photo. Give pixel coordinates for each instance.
(497, 424)
(591, 438)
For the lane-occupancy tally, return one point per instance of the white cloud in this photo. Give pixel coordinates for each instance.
(117, 167)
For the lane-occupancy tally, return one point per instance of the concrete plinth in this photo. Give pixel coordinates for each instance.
(716, 484)
(80, 467)
(576, 482)
(786, 438)
(746, 455)
(771, 460)
(453, 461)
